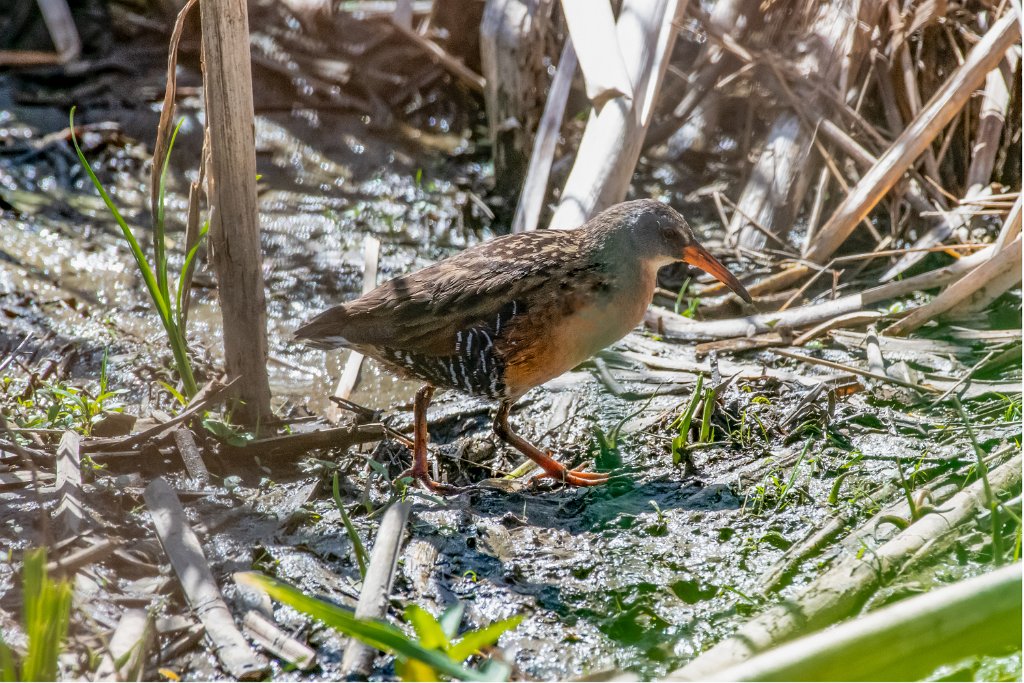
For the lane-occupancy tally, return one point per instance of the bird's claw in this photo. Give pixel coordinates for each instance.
(429, 484)
(574, 477)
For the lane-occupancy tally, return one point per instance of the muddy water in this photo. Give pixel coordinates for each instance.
(327, 181)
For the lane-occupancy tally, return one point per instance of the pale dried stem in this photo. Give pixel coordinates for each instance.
(531, 198)
(591, 27)
(915, 138)
(613, 139)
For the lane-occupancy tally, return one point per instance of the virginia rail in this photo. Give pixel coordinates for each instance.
(508, 315)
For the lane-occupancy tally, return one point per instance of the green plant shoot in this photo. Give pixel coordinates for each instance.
(432, 648)
(350, 529)
(168, 307)
(46, 615)
(683, 423)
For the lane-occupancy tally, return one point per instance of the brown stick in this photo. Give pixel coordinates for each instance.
(61, 26)
(126, 653)
(994, 106)
(280, 644)
(166, 123)
(1006, 263)
(70, 512)
(190, 455)
(777, 181)
(373, 598)
(234, 227)
(473, 80)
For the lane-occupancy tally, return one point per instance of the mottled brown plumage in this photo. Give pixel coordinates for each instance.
(505, 316)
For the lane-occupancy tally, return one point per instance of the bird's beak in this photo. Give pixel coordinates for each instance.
(696, 255)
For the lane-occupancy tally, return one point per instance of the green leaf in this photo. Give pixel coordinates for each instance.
(226, 432)
(357, 543)
(377, 634)
(140, 259)
(683, 422)
(428, 630)
(473, 641)
(412, 670)
(451, 619)
(184, 271)
(378, 468)
(159, 246)
(174, 392)
(705, 422)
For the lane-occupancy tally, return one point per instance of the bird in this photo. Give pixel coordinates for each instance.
(511, 313)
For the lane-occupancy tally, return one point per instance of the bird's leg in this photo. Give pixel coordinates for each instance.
(420, 472)
(420, 436)
(552, 468)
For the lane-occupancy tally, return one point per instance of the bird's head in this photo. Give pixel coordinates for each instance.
(659, 235)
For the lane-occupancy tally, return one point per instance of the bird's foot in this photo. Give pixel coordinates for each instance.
(429, 484)
(574, 477)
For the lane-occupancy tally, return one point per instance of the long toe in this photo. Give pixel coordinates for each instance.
(439, 488)
(576, 477)
(431, 485)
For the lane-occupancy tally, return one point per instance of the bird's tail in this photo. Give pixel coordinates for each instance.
(324, 331)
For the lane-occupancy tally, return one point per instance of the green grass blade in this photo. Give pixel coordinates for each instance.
(350, 529)
(140, 258)
(47, 615)
(186, 266)
(159, 245)
(705, 420)
(792, 476)
(428, 630)
(8, 667)
(680, 295)
(679, 443)
(473, 641)
(377, 634)
(990, 500)
(175, 336)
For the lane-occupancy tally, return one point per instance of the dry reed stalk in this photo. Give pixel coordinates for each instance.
(592, 30)
(531, 198)
(613, 139)
(776, 185)
(234, 224)
(994, 106)
(939, 111)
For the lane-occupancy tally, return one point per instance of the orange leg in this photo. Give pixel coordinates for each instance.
(552, 468)
(419, 470)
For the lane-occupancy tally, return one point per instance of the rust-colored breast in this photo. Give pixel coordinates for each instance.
(565, 331)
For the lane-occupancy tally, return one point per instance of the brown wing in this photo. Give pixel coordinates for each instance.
(480, 288)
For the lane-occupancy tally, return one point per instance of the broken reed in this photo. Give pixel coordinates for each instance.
(168, 306)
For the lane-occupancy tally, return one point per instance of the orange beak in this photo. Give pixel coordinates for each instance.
(696, 255)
